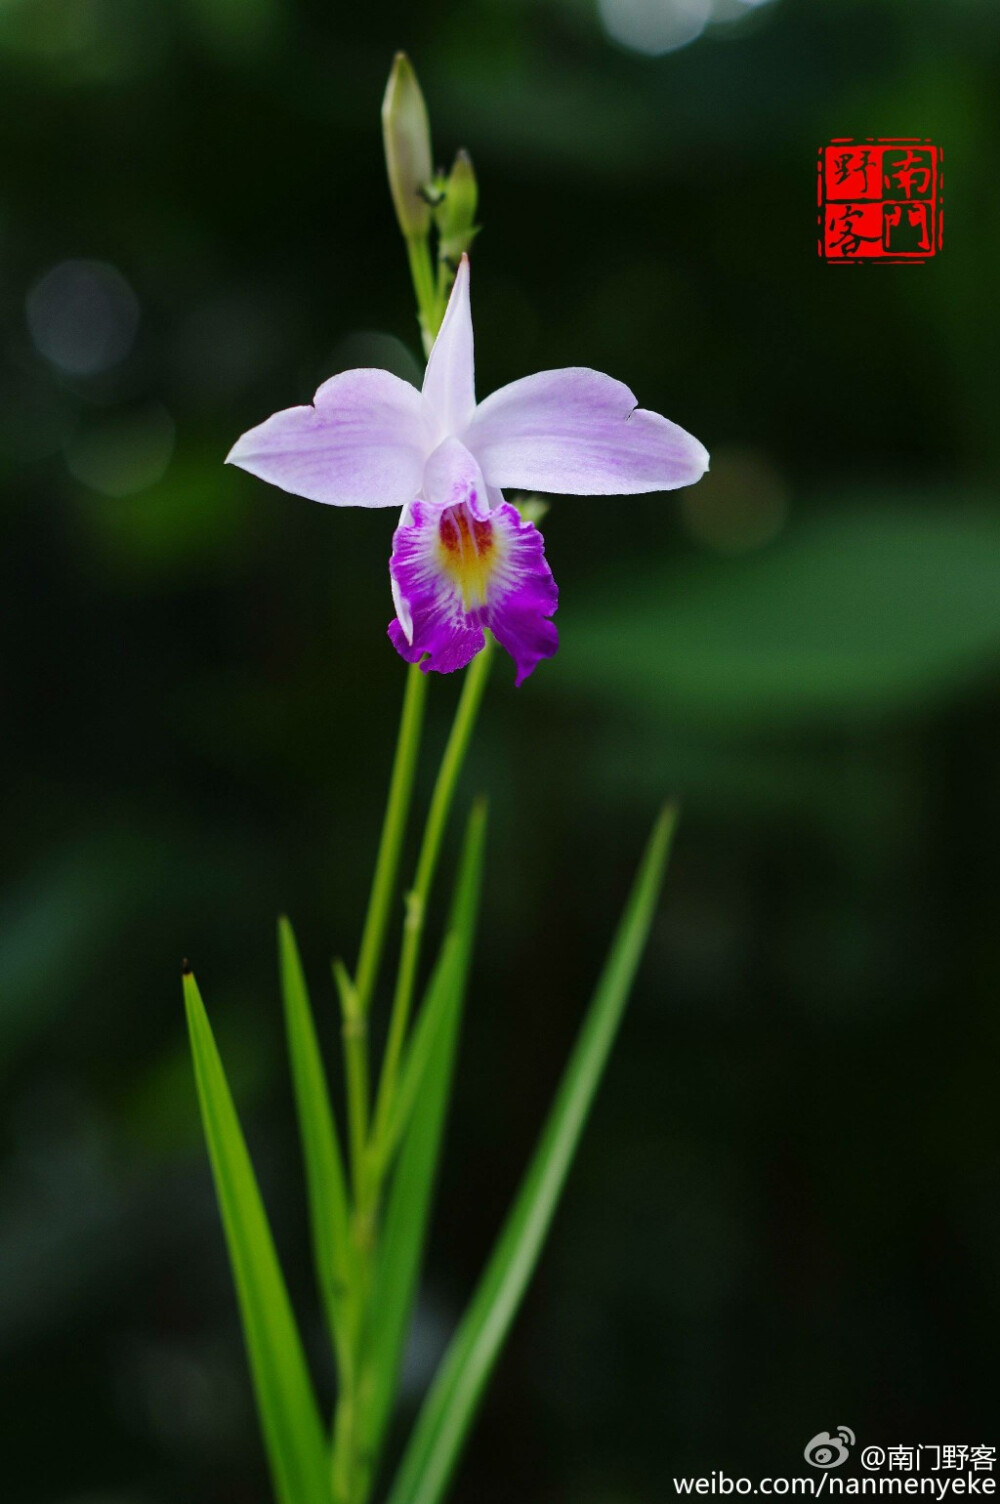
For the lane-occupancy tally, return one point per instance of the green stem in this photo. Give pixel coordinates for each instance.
(431, 311)
(445, 279)
(348, 1469)
(393, 829)
(422, 272)
(417, 898)
(344, 1427)
(351, 1472)
(355, 1032)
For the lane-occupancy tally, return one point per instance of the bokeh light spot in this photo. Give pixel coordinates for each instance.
(726, 12)
(655, 26)
(371, 347)
(82, 316)
(123, 455)
(741, 504)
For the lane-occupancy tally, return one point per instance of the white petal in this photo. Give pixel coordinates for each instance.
(362, 443)
(402, 605)
(453, 478)
(449, 381)
(579, 432)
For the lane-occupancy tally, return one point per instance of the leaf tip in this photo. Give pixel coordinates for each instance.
(193, 1005)
(670, 813)
(475, 830)
(347, 991)
(661, 838)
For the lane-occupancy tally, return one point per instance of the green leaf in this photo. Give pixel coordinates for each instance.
(329, 1213)
(408, 1209)
(450, 1407)
(293, 1433)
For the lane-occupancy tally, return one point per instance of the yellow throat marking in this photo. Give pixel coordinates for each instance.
(469, 553)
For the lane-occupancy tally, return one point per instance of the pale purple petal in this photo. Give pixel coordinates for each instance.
(458, 575)
(449, 381)
(580, 433)
(453, 478)
(362, 443)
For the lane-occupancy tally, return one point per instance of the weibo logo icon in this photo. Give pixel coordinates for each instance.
(826, 1450)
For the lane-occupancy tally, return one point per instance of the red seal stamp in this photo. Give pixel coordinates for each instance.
(880, 200)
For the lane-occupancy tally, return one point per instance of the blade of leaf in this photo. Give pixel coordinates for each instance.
(293, 1433)
(329, 1215)
(450, 1406)
(408, 1208)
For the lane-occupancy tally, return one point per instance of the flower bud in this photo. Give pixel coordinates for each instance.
(407, 136)
(456, 213)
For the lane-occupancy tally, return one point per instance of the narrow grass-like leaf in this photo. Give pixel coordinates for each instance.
(329, 1214)
(293, 1433)
(408, 1209)
(350, 1002)
(450, 1407)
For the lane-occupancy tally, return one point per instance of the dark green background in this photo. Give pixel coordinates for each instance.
(785, 1215)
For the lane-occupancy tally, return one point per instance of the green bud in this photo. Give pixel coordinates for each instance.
(407, 136)
(455, 215)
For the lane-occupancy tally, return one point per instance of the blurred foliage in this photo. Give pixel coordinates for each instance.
(858, 613)
(786, 1213)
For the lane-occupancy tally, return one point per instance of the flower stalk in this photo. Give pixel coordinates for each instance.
(370, 1161)
(393, 830)
(418, 897)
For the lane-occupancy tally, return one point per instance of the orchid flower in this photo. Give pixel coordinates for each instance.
(463, 559)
